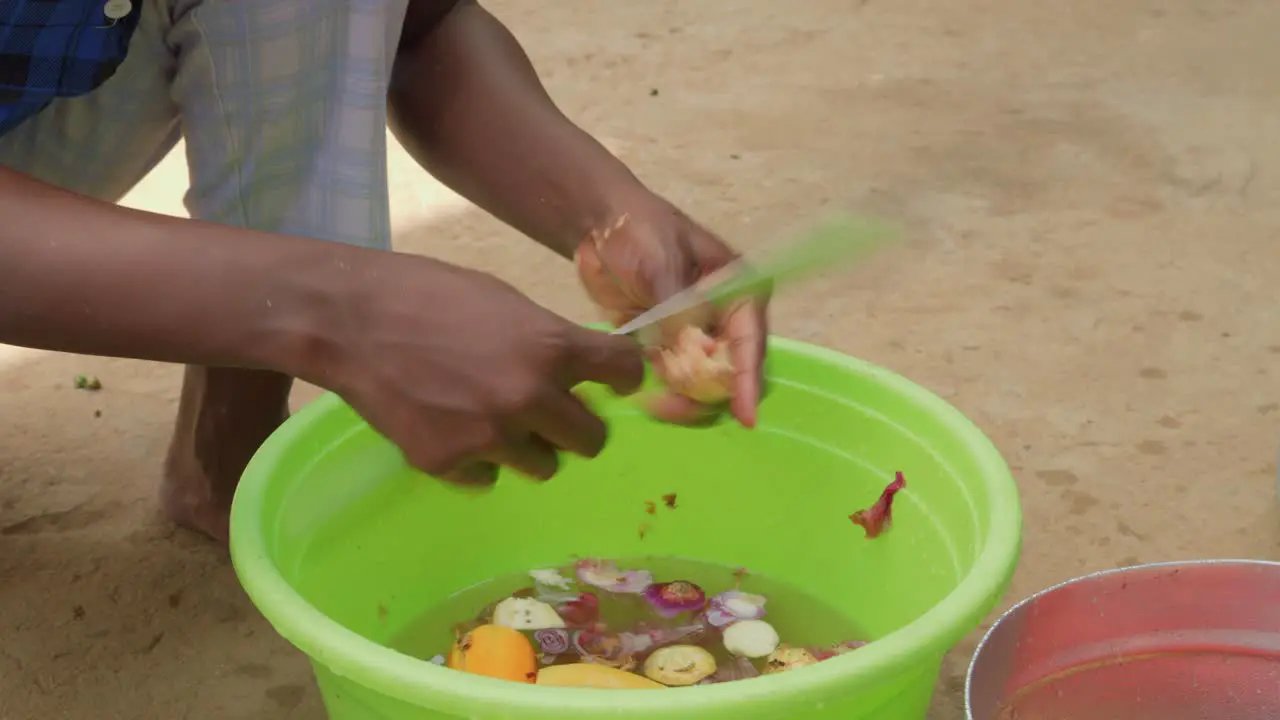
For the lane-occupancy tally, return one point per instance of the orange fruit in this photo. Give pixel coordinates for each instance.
(497, 652)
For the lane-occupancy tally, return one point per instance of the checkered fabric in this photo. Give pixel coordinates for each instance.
(56, 48)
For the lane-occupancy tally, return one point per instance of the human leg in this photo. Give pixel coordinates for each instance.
(283, 108)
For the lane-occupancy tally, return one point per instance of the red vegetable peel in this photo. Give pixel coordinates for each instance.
(582, 612)
(877, 518)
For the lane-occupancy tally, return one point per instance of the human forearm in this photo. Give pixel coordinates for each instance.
(466, 102)
(83, 276)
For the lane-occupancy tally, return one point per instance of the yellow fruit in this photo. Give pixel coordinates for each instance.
(497, 652)
(680, 665)
(590, 675)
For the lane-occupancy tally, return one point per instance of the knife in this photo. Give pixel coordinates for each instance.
(836, 241)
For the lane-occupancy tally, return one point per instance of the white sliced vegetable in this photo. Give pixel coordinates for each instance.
(751, 638)
(526, 614)
(679, 665)
(744, 606)
(551, 578)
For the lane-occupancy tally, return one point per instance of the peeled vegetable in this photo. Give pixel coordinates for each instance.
(521, 613)
(697, 366)
(591, 675)
(788, 658)
(689, 361)
(751, 638)
(497, 652)
(731, 606)
(679, 665)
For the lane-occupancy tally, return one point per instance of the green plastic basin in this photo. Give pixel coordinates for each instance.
(341, 545)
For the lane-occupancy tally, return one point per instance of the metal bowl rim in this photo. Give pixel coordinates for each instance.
(973, 662)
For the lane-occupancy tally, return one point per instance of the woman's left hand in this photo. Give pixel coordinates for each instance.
(651, 252)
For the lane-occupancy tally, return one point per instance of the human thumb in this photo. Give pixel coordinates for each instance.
(613, 360)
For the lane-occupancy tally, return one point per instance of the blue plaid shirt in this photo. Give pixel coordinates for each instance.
(57, 48)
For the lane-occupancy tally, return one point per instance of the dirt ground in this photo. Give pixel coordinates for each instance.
(1093, 190)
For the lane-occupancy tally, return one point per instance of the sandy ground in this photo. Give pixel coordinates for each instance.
(1093, 187)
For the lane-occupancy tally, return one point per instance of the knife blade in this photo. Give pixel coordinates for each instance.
(834, 242)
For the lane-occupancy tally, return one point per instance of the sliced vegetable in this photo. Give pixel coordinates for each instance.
(551, 625)
(552, 641)
(739, 669)
(556, 597)
(526, 614)
(680, 665)
(788, 658)
(602, 648)
(674, 598)
(583, 611)
(751, 638)
(640, 642)
(551, 578)
(606, 576)
(733, 605)
(591, 675)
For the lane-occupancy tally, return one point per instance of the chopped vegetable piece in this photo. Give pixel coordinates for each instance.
(526, 614)
(551, 578)
(751, 638)
(582, 611)
(674, 598)
(88, 382)
(680, 665)
(602, 648)
(641, 642)
(592, 675)
(788, 658)
(739, 669)
(606, 576)
(552, 641)
(555, 598)
(629, 635)
(733, 605)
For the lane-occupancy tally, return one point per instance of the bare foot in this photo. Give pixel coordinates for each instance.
(223, 418)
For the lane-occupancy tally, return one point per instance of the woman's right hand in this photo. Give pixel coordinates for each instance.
(463, 372)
